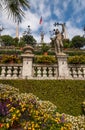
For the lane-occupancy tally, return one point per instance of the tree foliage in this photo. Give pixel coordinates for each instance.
(7, 40)
(28, 39)
(44, 48)
(66, 43)
(78, 41)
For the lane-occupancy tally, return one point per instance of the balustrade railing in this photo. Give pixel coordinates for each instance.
(40, 71)
(77, 71)
(9, 71)
(45, 71)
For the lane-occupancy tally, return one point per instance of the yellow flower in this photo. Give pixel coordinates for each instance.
(37, 113)
(36, 126)
(17, 111)
(29, 128)
(25, 128)
(7, 125)
(32, 125)
(68, 126)
(23, 109)
(8, 105)
(10, 99)
(12, 109)
(19, 114)
(14, 116)
(57, 120)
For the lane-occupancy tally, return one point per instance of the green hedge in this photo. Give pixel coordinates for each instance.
(10, 52)
(45, 59)
(73, 53)
(52, 60)
(67, 95)
(4, 59)
(76, 59)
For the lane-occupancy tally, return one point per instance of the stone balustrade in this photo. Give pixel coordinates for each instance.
(45, 71)
(40, 71)
(10, 71)
(77, 71)
(29, 70)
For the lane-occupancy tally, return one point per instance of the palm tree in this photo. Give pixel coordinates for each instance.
(15, 8)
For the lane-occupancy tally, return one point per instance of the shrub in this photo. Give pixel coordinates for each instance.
(10, 58)
(74, 52)
(76, 59)
(10, 51)
(25, 111)
(46, 59)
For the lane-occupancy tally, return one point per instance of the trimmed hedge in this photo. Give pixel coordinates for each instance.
(76, 59)
(67, 95)
(52, 60)
(10, 58)
(10, 52)
(73, 53)
(46, 59)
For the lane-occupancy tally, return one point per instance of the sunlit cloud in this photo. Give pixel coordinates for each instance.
(62, 11)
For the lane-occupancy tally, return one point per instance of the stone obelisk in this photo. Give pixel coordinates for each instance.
(17, 30)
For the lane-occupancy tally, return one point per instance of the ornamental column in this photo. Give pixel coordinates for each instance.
(63, 70)
(27, 69)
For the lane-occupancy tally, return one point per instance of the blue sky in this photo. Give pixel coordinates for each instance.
(71, 12)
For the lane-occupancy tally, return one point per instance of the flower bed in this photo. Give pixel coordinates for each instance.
(76, 59)
(10, 59)
(46, 59)
(27, 112)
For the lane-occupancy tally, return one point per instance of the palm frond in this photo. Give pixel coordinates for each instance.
(15, 8)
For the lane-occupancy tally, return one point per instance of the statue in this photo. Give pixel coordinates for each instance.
(58, 39)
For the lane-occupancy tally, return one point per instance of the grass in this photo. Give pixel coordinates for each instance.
(67, 95)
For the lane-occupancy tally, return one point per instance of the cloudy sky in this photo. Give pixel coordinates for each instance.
(71, 12)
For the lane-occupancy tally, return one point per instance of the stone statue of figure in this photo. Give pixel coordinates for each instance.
(58, 39)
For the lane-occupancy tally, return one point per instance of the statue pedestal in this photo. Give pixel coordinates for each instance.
(27, 66)
(27, 62)
(63, 70)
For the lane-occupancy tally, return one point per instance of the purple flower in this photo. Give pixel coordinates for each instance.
(62, 119)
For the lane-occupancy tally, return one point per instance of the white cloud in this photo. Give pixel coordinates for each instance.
(73, 30)
(43, 8)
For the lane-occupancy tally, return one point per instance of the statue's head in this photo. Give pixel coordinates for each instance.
(56, 31)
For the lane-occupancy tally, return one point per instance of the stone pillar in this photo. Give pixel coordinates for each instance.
(27, 62)
(63, 70)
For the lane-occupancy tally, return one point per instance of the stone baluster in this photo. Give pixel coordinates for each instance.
(74, 72)
(50, 73)
(15, 72)
(44, 71)
(3, 72)
(84, 72)
(71, 72)
(55, 72)
(35, 71)
(20, 71)
(38, 71)
(9, 71)
(80, 74)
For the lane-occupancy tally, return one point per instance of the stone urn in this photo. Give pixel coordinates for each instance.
(28, 50)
